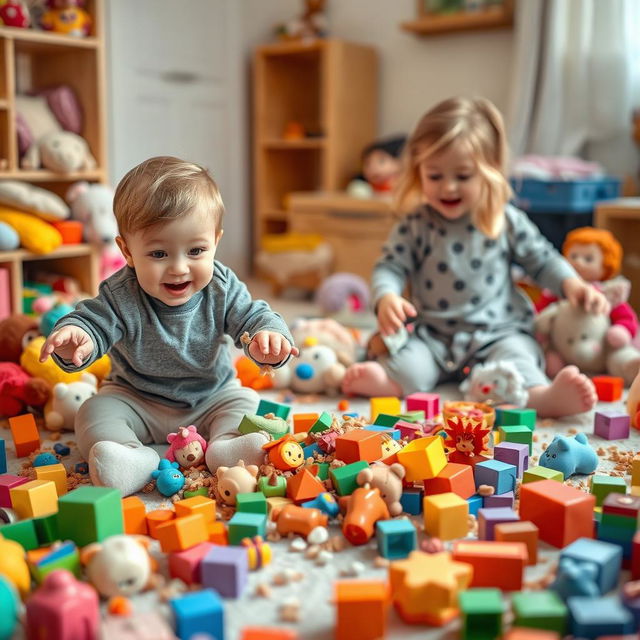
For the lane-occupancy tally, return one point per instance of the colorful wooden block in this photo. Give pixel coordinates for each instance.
(498, 501)
(64, 556)
(267, 633)
(445, 516)
(499, 475)
(217, 532)
(635, 471)
(25, 434)
(304, 486)
(359, 444)
(277, 408)
(8, 482)
(47, 529)
(611, 424)
(608, 388)
(407, 430)
(302, 422)
(382, 430)
(481, 611)
(539, 610)
(34, 499)
(23, 532)
(601, 486)
(489, 518)
(344, 478)
(535, 474)
(475, 502)
(246, 525)
(411, 500)
(385, 420)
(423, 458)
(226, 569)
(186, 564)
(181, 533)
(362, 609)
(205, 506)
(519, 633)
(396, 538)
(427, 402)
(522, 531)
(455, 478)
(517, 433)
(3, 457)
(597, 617)
(561, 513)
(323, 422)
(272, 485)
(514, 416)
(156, 518)
(605, 557)
(134, 516)
(199, 612)
(514, 453)
(388, 405)
(56, 473)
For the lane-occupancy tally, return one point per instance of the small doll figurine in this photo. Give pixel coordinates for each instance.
(380, 168)
(187, 447)
(285, 453)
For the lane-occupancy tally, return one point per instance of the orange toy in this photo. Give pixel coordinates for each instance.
(285, 453)
(526, 532)
(25, 434)
(610, 248)
(181, 533)
(134, 516)
(455, 478)
(267, 633)
(362, 609)
(359, 444)
(608, 388)
(304, 486)
(250, 375)
(298, 520)
(364, 508)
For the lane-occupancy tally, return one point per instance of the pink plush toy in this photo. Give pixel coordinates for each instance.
(187, 447)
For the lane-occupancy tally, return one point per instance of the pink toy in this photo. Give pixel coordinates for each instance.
(19, 390)
(63, 608)
(187, 447)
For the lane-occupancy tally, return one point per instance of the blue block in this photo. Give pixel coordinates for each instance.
(310, 449)
(499, 475)
(351, 414)
(394, 433)
(325, 502)
(475, 504)
(627, 547)
(61, 449)
(605, 556)
(3, 457)
(411, 500)
(199, 612)
(594, 617)
(396, 538)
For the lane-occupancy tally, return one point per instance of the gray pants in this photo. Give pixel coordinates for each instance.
(416, 369)
(118, 414)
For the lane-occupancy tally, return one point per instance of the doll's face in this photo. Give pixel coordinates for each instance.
(380, 169)
(587, 261)
(292, 454)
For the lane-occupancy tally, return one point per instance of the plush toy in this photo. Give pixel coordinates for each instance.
(66, 399)
(285, 453)
(495, 383)
(16, 332)
(250, 374)
(570, 456)
(380, 168)
(35, 235)
(169, 479)
(14, 13)
(18, 390)
(9, 238)
(68, 18)
(388, 479)
(327, 332)
(235, 480)
(312, 23)
(29, 198)
(60, 151)
(570, 335)
(120, 565)
(343, 291)
(187, 447)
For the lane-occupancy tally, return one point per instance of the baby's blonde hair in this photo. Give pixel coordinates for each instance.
(162, 189)
(479, 124)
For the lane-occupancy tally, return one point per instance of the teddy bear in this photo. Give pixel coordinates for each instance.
(16, 332)
(570, 455)
(18, 390)
(66, 399)
(388, 479)
(60, 151)
(235, 480)
(187, 447)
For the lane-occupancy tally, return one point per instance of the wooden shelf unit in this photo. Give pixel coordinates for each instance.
(31, 60)
(330, 87)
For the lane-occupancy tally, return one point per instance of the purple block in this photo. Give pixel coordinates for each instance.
(496, 501)
(226, 569)
(499, 475)
(513, 453)
(489, 518)
(8, 482)
(611, 424)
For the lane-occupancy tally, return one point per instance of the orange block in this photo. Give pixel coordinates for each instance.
(266, 633)
(359, 444)
(526, 532)
(181, 533)
(362, 609)
(454, 478)
(304, 486)
(217, 533)
(485, 556)
(520, 633)
(25, 434)
(608, 388)
(561, 513)
(196, 504)
(304, 421)
(158, 517)
(135, 516)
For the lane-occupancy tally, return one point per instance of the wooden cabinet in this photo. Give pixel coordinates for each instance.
(31, 60)
(315, 109)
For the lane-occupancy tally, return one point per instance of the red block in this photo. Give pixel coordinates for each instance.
(635, 557)
(186, 564)
(456, 478)
(8, 482)
(427, 402)
(608, 388)
(359, 444)
(561, 513)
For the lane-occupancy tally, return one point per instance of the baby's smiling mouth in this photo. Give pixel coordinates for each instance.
(177, 287)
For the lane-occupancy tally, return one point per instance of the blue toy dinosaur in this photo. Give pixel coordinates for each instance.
(570, 455)
(168, 477)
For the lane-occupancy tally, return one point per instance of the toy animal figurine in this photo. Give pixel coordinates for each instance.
(66, 399)
(365, 507)
(298, 520)
(575, 578)
(466, 436)
(388, 480)
(285, 453)
(187, 447)
(235, 480)
(325, 502)
(570, 456)
(169, 479)
(495, 383)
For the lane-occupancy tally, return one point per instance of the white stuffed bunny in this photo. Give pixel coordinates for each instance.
(60, 411)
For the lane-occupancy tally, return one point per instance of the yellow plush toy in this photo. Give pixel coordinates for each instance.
(35, 235)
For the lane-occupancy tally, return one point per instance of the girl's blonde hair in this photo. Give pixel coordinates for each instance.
(162, 189)
(472, 121)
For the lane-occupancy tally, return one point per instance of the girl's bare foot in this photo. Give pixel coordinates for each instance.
(369, 379)
(570, 392)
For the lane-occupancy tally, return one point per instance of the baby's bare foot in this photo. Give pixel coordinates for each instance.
(570, 392)
(369, 379)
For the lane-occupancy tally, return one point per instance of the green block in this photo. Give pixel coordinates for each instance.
(511, 417)
(322, 423)
(277, 427)
(602, 486)
(385, 420)
(202, 491)
(517, 433)
(254, 502)
(246, 525)
(47, 529)
(621, 522)
(412, 416)
(90, 514)
(541, 473)
(273, 486)
(66, 557)
(539, 610)
(323, 470)
(344, 478)
(481, 611)
(277, 408)
(23, 531)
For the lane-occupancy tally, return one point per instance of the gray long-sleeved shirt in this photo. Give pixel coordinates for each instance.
(175, 355)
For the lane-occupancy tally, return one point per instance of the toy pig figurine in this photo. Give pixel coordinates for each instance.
(364, 509)
(570, 455)
(187, 447)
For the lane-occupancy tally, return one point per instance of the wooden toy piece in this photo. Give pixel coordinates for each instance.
(534, 474)
(514, 416)
(45, 560)
(539, 610)
(408, 430)
(396, 538)
(513, 453)
(302, 422)
(299, 520)
(618, 522)
(608, 388)
(254, 502)
(323, 422)
(411, 500)
(635, 471)
(56, 473)
(481, 612)
(561, 513)
(425, 587)
(344, 478)
(596, 617)
(13, 565)
(454, 478)
(267, 633)
(499, 475)
(156, 518)
(23, 532)
(365, 507)
(3, 457)
(272, 485)
(275, 503)
(276, 408)
(218, 533)
(147, 625)
(259, 553)
(633, 402)
(362, 609)
(499, 501)
(489, 518)
(445, 516)
(605, 557)
(35, 498)
(427, 402)
(47, 529)
(601, 486)
(246, 525)
(516, 433)
(226, 569)
(526, 532)
(198, 612)
(389, 405)
(7, 483)
(197, 504)
(304, 486)
(611, 424)
(181, 533)
(359, 444)
(62, 607)
(134, 516)
(25, 434)
(185, 564)
(423, 458)
(90, 514)
(486, 556)
(385, 420)
(517, 633)
(325, 502)
(285, 453)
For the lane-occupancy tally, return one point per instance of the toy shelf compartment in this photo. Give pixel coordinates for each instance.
(563, 196)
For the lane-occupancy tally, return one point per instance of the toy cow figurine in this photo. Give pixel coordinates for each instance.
(187, 447)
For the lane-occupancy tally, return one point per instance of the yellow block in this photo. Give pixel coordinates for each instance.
(389, 405)
(445, 516)
(34, 499)
(276, 502)
(423, 458)
(197, 504)
(635, 490)
(635, 471)
(56, 473)
(497, 437)
(282, 242)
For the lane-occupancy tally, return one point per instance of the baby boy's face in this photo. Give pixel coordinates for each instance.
(173, 261)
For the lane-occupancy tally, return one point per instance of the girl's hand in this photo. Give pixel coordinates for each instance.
(70, 343)
(269, 347)
(393, 312)
(582, 294)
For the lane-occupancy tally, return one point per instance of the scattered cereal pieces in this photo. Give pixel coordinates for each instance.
(324, 557)
(290, 610)
(318, 535)
(298, 544)
(312, 552)
(263, 590)
(486, 490)
(355, 569)
(381, 563)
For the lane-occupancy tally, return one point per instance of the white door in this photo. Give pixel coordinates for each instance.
(176, 88)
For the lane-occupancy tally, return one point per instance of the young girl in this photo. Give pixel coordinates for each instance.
(455, 250)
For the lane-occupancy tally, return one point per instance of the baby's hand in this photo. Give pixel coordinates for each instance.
(70, 343)
(393, 312)
(582, 294)
(269, 347)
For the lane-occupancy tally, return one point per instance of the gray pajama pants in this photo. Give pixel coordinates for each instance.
(416, 369)
(118, 414)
